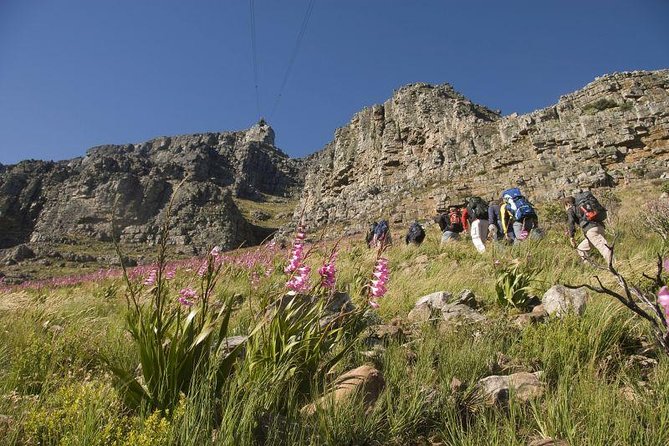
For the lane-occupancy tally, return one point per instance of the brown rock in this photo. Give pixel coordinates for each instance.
(364, 380)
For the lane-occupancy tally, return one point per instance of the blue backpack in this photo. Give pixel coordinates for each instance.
(518, 205)
(381, 230)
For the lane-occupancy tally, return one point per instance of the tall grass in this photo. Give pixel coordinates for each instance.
(598, 391)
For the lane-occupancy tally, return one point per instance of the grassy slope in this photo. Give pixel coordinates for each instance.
(52, 383)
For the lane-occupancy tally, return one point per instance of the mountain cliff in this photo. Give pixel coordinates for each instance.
(127, 188)
(425, 146)
(429, 144)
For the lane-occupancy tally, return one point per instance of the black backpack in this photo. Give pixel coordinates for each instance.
(477, 208)
(416, 234)
(590, 208)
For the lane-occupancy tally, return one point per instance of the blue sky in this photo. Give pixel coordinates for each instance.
(80, 73)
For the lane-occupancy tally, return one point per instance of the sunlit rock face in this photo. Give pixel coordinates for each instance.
(429, 144)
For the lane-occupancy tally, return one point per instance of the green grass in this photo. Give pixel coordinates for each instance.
(58, 392)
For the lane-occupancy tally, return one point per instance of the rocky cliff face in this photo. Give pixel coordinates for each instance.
(132, 185)
(429, 144)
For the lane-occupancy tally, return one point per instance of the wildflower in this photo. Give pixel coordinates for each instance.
(187, 296)
(203, 268)
(151, 278)
(299, 281)
(328, 271)
(297, 253)
(665, 265)
(170, 273)
(663, 300)
(381, 274)
(374, 304)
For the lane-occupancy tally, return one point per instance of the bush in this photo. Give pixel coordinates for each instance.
(656, 217)
(513, 286)
(599, 105)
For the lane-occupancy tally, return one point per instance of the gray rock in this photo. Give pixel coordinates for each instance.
(522, 386)
(18, 254)
(458, 312)
(53, 201)
(560, 300)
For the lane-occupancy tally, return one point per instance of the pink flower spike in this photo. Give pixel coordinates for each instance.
(665, 265)
(374, 304)
(187, 296)
(151, 278)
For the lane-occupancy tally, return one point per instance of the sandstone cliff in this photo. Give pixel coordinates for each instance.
(133, 183)
(429, 144)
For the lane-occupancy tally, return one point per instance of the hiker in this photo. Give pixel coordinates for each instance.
(589, 214)
(416, 234)
(452, 223)
(495, 228)
(477, 215)
(518, 216)
(370, 234)
(380, 234)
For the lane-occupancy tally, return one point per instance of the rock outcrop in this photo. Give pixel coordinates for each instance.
(132, 185)
(429, 144)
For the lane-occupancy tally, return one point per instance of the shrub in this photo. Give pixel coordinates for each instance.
(656, 217)
(513, 286)
(599, 105)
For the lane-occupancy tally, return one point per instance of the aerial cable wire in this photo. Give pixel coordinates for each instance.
(293, 56)
(254, 54)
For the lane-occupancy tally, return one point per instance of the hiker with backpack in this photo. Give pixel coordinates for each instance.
(477, 214)
(495, 228)
(452, 223)
(416, 234)
(380, 234)
(586, 211)
(518, 216)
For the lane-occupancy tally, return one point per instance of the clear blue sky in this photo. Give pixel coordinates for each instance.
(79, 73)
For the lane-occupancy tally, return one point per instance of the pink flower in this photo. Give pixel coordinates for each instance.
(203, 268)
(187, 296)
(151, 278)
(381, 275)
(170, 273)
(328, 272)
(663, 300)
(665, 265)
(299, 282)
(374, 304)
(297, 253)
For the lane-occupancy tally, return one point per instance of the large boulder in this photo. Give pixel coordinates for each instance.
(443, 306)
(18, 254)
(560, 300)
(522, 386)
(364, 380)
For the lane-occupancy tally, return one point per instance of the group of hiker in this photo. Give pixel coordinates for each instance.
(511, 220)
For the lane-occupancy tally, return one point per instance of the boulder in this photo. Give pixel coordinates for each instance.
(560, 300)
(364, 380)
(522, 386)
(443, 307)
(18, 254)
